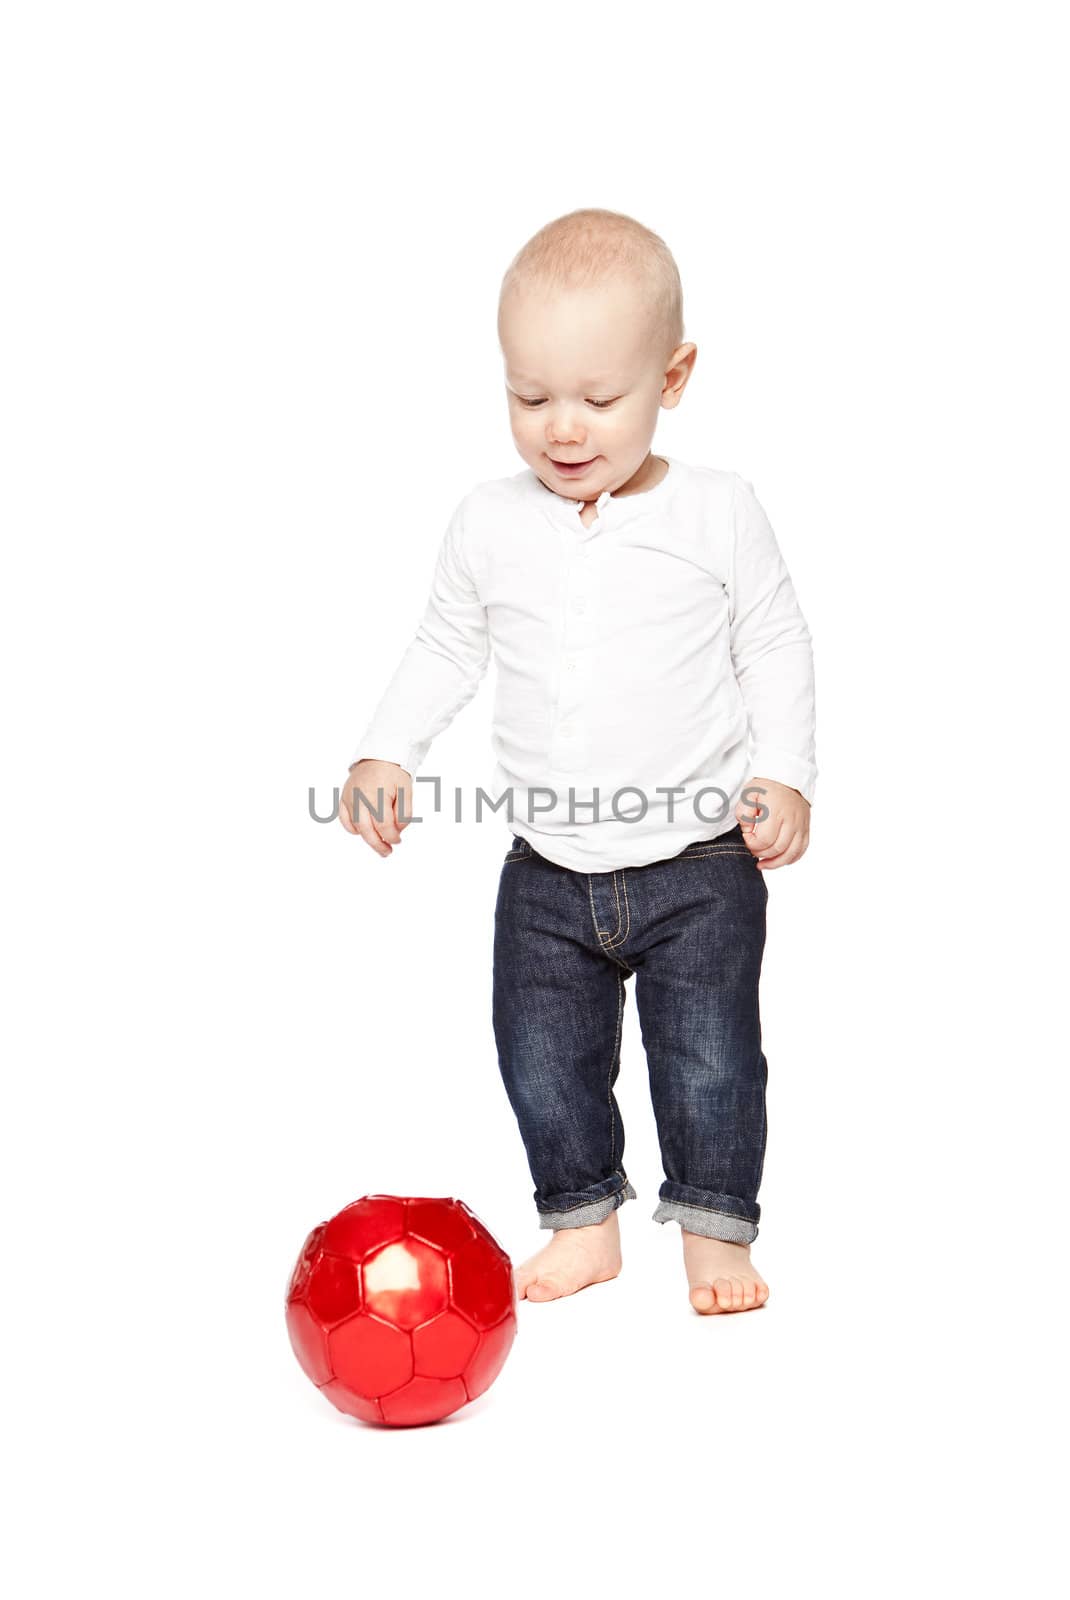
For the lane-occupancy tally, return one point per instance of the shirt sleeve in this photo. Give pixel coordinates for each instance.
(771, 650)
(442, 667)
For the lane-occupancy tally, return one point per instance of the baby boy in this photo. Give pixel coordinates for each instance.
(653, 729)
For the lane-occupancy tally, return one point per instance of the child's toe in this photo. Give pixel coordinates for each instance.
(545, 1287)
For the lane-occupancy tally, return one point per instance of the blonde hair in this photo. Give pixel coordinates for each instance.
(590, 245)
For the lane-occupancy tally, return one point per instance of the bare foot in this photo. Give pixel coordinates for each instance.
(574, 1258)
(721, 1275)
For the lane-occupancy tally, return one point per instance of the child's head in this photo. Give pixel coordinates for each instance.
(590, 320)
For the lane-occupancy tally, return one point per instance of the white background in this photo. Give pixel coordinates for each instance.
(249, 364)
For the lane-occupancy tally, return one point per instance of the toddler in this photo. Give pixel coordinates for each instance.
(653, 730)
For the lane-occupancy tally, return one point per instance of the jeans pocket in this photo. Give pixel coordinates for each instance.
(519, 850)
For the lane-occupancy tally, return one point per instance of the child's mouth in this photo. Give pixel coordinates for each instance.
(572, 469)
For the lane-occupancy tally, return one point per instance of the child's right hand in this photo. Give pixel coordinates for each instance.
(369, 777)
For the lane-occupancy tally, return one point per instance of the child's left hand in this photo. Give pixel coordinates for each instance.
(782, 836)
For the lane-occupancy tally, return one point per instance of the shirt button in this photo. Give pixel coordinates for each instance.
(570, 666)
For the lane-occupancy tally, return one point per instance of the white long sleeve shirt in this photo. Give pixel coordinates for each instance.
(638, 655)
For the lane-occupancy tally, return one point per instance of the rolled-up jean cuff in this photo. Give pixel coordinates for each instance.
(712, 1224)
(583, 1216)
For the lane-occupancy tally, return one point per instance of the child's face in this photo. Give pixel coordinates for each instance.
(584, 382)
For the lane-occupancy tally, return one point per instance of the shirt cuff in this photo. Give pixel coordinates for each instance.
(402, 755)
(783, 767)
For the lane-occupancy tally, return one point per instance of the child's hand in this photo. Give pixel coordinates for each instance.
(369, 777)
(784, 834)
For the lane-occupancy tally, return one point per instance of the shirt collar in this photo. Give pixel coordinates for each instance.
(612, 509)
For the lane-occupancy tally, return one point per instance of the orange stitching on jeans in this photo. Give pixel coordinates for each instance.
(613, 940)
(614, 943)
(603, 933)
(609, 1081)
(716, 850)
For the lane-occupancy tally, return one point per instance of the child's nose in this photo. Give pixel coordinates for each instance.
(565, 430)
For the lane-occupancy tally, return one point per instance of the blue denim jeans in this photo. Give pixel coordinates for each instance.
(691, 929)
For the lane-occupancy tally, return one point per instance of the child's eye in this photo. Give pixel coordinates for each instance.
(600, 405)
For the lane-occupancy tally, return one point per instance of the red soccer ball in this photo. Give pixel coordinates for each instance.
(402, 1310)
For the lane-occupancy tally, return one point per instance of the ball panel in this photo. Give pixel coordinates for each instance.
(489, 1359)
(406, 1283)
(309, 1342)
(440, 1222)
(424, 1400)
(443, 1347)
(365, 1225)
(354, 1405)
(306, 1261)
(369, 1357)
(333, 1289)
(479, 1228)
(481, 1284)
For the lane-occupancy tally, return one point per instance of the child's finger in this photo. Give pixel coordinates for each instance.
(783, 836)
(757, 840)
(784, 853)
(344, 814)
(372, 837)
(779, 840)
(745, 815)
